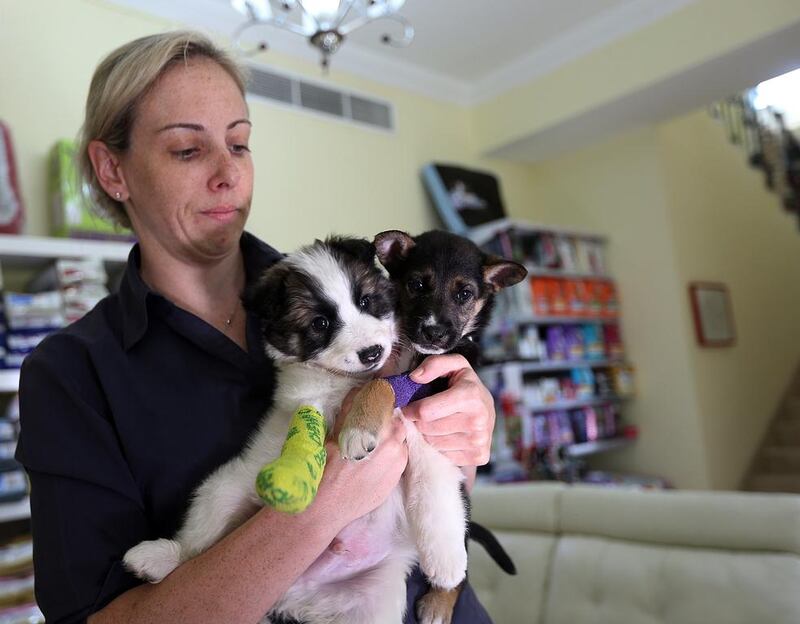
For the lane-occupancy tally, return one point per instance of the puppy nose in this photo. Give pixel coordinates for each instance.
(434, 332)
(370, 354)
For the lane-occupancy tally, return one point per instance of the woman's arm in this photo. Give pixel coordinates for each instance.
(243, 575)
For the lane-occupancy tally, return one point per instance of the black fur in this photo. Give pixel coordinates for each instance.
(448, 276)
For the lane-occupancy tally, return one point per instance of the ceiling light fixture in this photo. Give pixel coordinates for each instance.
(325, 23)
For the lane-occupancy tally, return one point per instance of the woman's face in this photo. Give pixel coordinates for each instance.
(188, 170)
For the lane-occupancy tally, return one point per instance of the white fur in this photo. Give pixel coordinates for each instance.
(363, 582)
(428, 350)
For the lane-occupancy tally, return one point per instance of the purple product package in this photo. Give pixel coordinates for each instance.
(556, 344)
(541, 434)
(591, 424)
(578, 420)
(573, 337)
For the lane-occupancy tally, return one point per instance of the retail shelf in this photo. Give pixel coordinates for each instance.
(530, 366)
(483, 233)
(17, 510)
(598, 446)
(33, 250)
(9, 380)
(558, 273)
(568, 405)
(566, 320)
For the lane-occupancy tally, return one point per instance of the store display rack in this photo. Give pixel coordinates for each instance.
(34, 253)
(560, 255)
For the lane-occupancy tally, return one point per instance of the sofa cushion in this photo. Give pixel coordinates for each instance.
(725, 520)
(597, 580)
(518, 506)
(513, 599)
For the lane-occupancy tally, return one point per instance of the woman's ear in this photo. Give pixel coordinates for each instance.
(107, 169)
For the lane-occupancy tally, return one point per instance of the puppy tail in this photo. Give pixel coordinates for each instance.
(486, 538)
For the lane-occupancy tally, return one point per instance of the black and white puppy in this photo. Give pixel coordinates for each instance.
(446, 286)
(328, 321)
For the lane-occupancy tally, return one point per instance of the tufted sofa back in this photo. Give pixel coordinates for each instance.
(589, 555)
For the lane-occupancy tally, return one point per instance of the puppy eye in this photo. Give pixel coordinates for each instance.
(464, 295)
(364, 302)
(415, 285)
(319, 324)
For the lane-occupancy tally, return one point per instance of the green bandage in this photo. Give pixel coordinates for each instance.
(290, 482)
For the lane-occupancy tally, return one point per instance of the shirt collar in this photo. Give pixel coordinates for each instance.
(134, 292)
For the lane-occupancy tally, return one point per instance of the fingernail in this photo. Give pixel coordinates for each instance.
(416, 373)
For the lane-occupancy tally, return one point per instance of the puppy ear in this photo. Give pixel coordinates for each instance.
(358, 248)
(500, 273)
(267, 295)
(392, 247)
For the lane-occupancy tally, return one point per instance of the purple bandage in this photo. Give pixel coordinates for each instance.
(406, 390)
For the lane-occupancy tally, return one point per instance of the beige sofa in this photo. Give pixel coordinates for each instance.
(589, 555)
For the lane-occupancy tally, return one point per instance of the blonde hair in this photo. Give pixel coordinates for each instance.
(120, 82)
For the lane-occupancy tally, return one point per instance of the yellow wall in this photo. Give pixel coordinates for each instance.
(679, 204)
(314, 176)
(726, 227)
(702, 31)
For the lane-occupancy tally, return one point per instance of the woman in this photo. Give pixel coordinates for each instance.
(124, 412)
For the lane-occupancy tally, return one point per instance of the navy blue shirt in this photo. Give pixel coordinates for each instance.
(123, 414)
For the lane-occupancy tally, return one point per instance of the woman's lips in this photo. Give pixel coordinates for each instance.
(221, 214)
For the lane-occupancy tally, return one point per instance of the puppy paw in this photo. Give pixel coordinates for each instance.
(152, 561)
(436, 607)
(445, 569)
(357, 443)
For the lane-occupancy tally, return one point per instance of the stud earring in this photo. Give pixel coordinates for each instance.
(117, 195)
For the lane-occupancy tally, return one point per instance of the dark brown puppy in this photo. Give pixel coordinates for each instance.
(445, 286)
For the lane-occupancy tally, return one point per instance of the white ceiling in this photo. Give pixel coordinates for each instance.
(465, 51)
(470, 39)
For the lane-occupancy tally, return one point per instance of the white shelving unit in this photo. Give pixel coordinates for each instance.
(564, 320)
(570, 405)
(515, 373)
(562, 365)
(36, 252)
(483, 233)
(598, 446)
(534, 271)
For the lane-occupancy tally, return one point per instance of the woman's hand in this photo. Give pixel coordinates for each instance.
(459, 421)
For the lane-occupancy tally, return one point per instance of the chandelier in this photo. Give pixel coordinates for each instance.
(325, 23)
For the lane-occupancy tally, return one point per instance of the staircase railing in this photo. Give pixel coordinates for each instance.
(768, 143)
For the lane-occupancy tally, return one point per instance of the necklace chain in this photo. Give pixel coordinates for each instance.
(229, 320)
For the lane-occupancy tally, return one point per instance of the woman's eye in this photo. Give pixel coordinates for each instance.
(186, 154)
(239, 149)
(319, 324)
(415, 285)
(364, 302)
(464, 295)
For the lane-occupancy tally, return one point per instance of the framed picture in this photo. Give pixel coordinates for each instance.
(713, 314)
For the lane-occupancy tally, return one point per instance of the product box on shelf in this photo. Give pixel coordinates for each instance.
(29, 318)
(12, 210)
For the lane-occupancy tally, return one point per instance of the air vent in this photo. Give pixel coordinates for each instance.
(320, 99)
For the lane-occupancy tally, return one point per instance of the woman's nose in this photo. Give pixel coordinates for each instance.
(226, 172)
